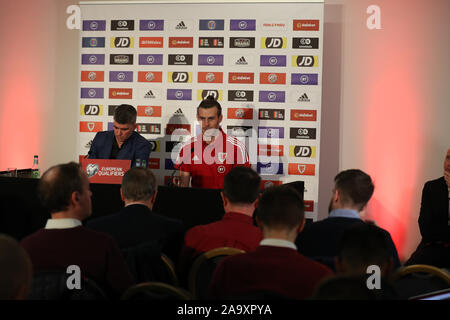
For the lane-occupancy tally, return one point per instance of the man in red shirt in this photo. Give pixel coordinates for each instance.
(208, 157)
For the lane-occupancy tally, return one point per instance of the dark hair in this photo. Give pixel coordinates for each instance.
(281, 207)
(57, 185)
(241, 185)
(125, 114)
(210, 102)
(355, 186)
(362, 245)
(343, 288)
(138, 184)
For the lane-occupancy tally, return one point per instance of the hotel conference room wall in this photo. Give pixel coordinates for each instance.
(385, 103)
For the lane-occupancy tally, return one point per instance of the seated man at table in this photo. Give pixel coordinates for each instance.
(122, 142)
(236, 229)
(64, 192)
(275, 268)
(136, 223)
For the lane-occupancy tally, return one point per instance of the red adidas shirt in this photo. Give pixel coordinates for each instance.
(209, 163)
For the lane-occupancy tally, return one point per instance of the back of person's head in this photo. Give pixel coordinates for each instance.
(355, 187)
(281, 208)
(138, 184)
(125, 114)
(344, 288)
(361, 246)
(210, 102)
(241, 185)
(15, 270)
(57, 184)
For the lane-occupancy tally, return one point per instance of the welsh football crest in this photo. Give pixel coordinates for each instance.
(222, 156)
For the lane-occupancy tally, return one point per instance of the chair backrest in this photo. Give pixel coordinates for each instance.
(52, 285)
(147, 263)
(419, 279)
(203, 268)
(156, 291)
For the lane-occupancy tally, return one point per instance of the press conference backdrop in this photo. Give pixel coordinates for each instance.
(261, 60)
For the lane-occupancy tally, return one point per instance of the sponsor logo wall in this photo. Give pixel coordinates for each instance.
(265, 70)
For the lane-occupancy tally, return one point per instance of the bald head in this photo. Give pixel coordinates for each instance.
(15, 270)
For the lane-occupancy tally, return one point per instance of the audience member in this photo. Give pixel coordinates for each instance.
(136, 224)
(361, 246)
(64, 191)
(351, 193)
(15, 270)
(434, 222)
(275, 266)
(236, 229)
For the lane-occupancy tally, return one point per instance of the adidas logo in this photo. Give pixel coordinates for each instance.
(149, 95)
(179, 112)
(181, 26)
(195, 158)
(241, 61)
(304, 98)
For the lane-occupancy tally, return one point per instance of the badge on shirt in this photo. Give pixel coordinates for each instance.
(222, 156)
(221, 169)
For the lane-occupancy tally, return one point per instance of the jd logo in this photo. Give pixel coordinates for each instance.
(122, 42)
(180, 77)
(302, 151)
(305, 61)
(206, 93)
(274, 43)
(74, 280)
(91, 110)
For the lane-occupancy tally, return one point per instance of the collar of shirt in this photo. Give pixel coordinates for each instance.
(278, 243)
(344, 213)
(62, 223)
(238, 216)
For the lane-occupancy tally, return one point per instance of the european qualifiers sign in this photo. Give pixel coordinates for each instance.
(264, 66)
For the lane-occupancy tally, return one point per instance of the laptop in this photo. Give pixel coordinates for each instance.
(108, 171)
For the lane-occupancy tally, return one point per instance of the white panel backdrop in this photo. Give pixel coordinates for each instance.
(262, 60)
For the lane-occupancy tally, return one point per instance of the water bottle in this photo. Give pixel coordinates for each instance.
(35, 171)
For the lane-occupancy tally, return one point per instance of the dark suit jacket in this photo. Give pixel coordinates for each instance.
(136, 224)
(433, 218)
(277, 270)
(319, 240)
(135, 147)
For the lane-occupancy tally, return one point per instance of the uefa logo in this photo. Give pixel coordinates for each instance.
(240, 113)
(272, 78)
(92, 76)
(148, 111)
(211, 25)
(149, 76)
(210, 77)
